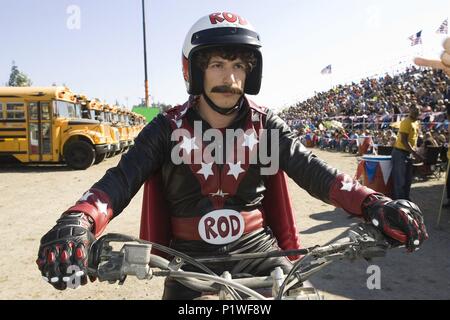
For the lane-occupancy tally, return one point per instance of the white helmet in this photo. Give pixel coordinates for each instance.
(219, 30)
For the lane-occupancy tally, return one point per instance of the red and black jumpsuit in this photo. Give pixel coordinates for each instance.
(217, 208)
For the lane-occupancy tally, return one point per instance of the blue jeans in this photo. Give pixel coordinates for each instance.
(402, 174)
(344, 143)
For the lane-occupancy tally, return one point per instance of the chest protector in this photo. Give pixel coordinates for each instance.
(279, 216)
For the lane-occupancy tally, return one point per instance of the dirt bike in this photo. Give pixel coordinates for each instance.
(135, 259)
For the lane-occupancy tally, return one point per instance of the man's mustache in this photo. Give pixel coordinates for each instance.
(227, 89)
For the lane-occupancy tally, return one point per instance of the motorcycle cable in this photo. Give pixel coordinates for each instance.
(122, 238)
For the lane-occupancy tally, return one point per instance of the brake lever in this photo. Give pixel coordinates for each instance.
(332, 249)
(364, 241)
(369, 243)
(101, 248)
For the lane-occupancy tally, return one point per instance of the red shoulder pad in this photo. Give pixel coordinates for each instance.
(257, 108)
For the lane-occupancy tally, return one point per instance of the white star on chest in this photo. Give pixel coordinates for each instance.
(206, 170)
(255, 117)
(347, 186)
(102, 207)
(182, 113)
(86, 196)
(235, 170)
(178, 123)
(250, 141)
(303, 148)
(189, 144)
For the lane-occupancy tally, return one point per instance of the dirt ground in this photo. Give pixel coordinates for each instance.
(32, 198)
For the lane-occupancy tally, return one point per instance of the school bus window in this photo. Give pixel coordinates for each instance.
(34, 138)
(46, 138)
(55, 110)
(86, 114)
(33, 111)
(107, 117)
(78, 111)
(68, 110)
(45, 107)
(92, 114)
(1, 111)
(99, 115)
(15, 111)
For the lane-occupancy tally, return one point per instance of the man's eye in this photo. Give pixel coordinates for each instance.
(216, 65)
(239, 66)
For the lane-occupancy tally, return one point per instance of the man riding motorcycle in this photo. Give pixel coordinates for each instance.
(198, 197)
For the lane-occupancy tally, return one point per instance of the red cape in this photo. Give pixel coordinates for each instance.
(155, 219)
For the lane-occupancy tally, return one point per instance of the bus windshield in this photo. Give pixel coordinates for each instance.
(108, 117)
(99, 115)
(69, 110)
(85, 114)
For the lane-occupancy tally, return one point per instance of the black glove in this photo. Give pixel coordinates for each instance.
(400, 220)
(63, 253)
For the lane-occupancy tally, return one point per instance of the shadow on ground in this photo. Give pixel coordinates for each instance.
(424, 274)
(25, 168)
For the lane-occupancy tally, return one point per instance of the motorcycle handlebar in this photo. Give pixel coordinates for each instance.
(135, 259)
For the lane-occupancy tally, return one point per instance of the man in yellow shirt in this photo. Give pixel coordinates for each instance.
(404, 149)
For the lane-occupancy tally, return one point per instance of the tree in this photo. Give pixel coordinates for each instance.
(17, 78)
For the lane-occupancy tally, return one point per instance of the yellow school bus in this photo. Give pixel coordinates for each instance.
(93, 109)
(117, 118)
(44, 125)
(134, 123)
(125, 118)
(110, 117)
(140, 123)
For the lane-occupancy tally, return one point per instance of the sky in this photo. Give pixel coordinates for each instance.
(95, 47)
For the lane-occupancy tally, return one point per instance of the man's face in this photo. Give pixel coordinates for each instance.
(414, 114)
(224, 81)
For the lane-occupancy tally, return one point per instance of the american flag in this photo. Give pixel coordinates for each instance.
(326, 70)
(443, 29)
(416, 38)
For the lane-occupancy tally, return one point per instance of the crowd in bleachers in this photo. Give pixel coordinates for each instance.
(338, 118)
(384, 96)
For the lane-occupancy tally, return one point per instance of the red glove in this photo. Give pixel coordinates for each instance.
(400, 220)
(63, 253)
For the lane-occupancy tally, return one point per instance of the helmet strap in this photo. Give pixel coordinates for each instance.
(224, 111)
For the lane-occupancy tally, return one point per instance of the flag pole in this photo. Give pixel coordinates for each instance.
(443, 196)
(331, 80)
(145, 55)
